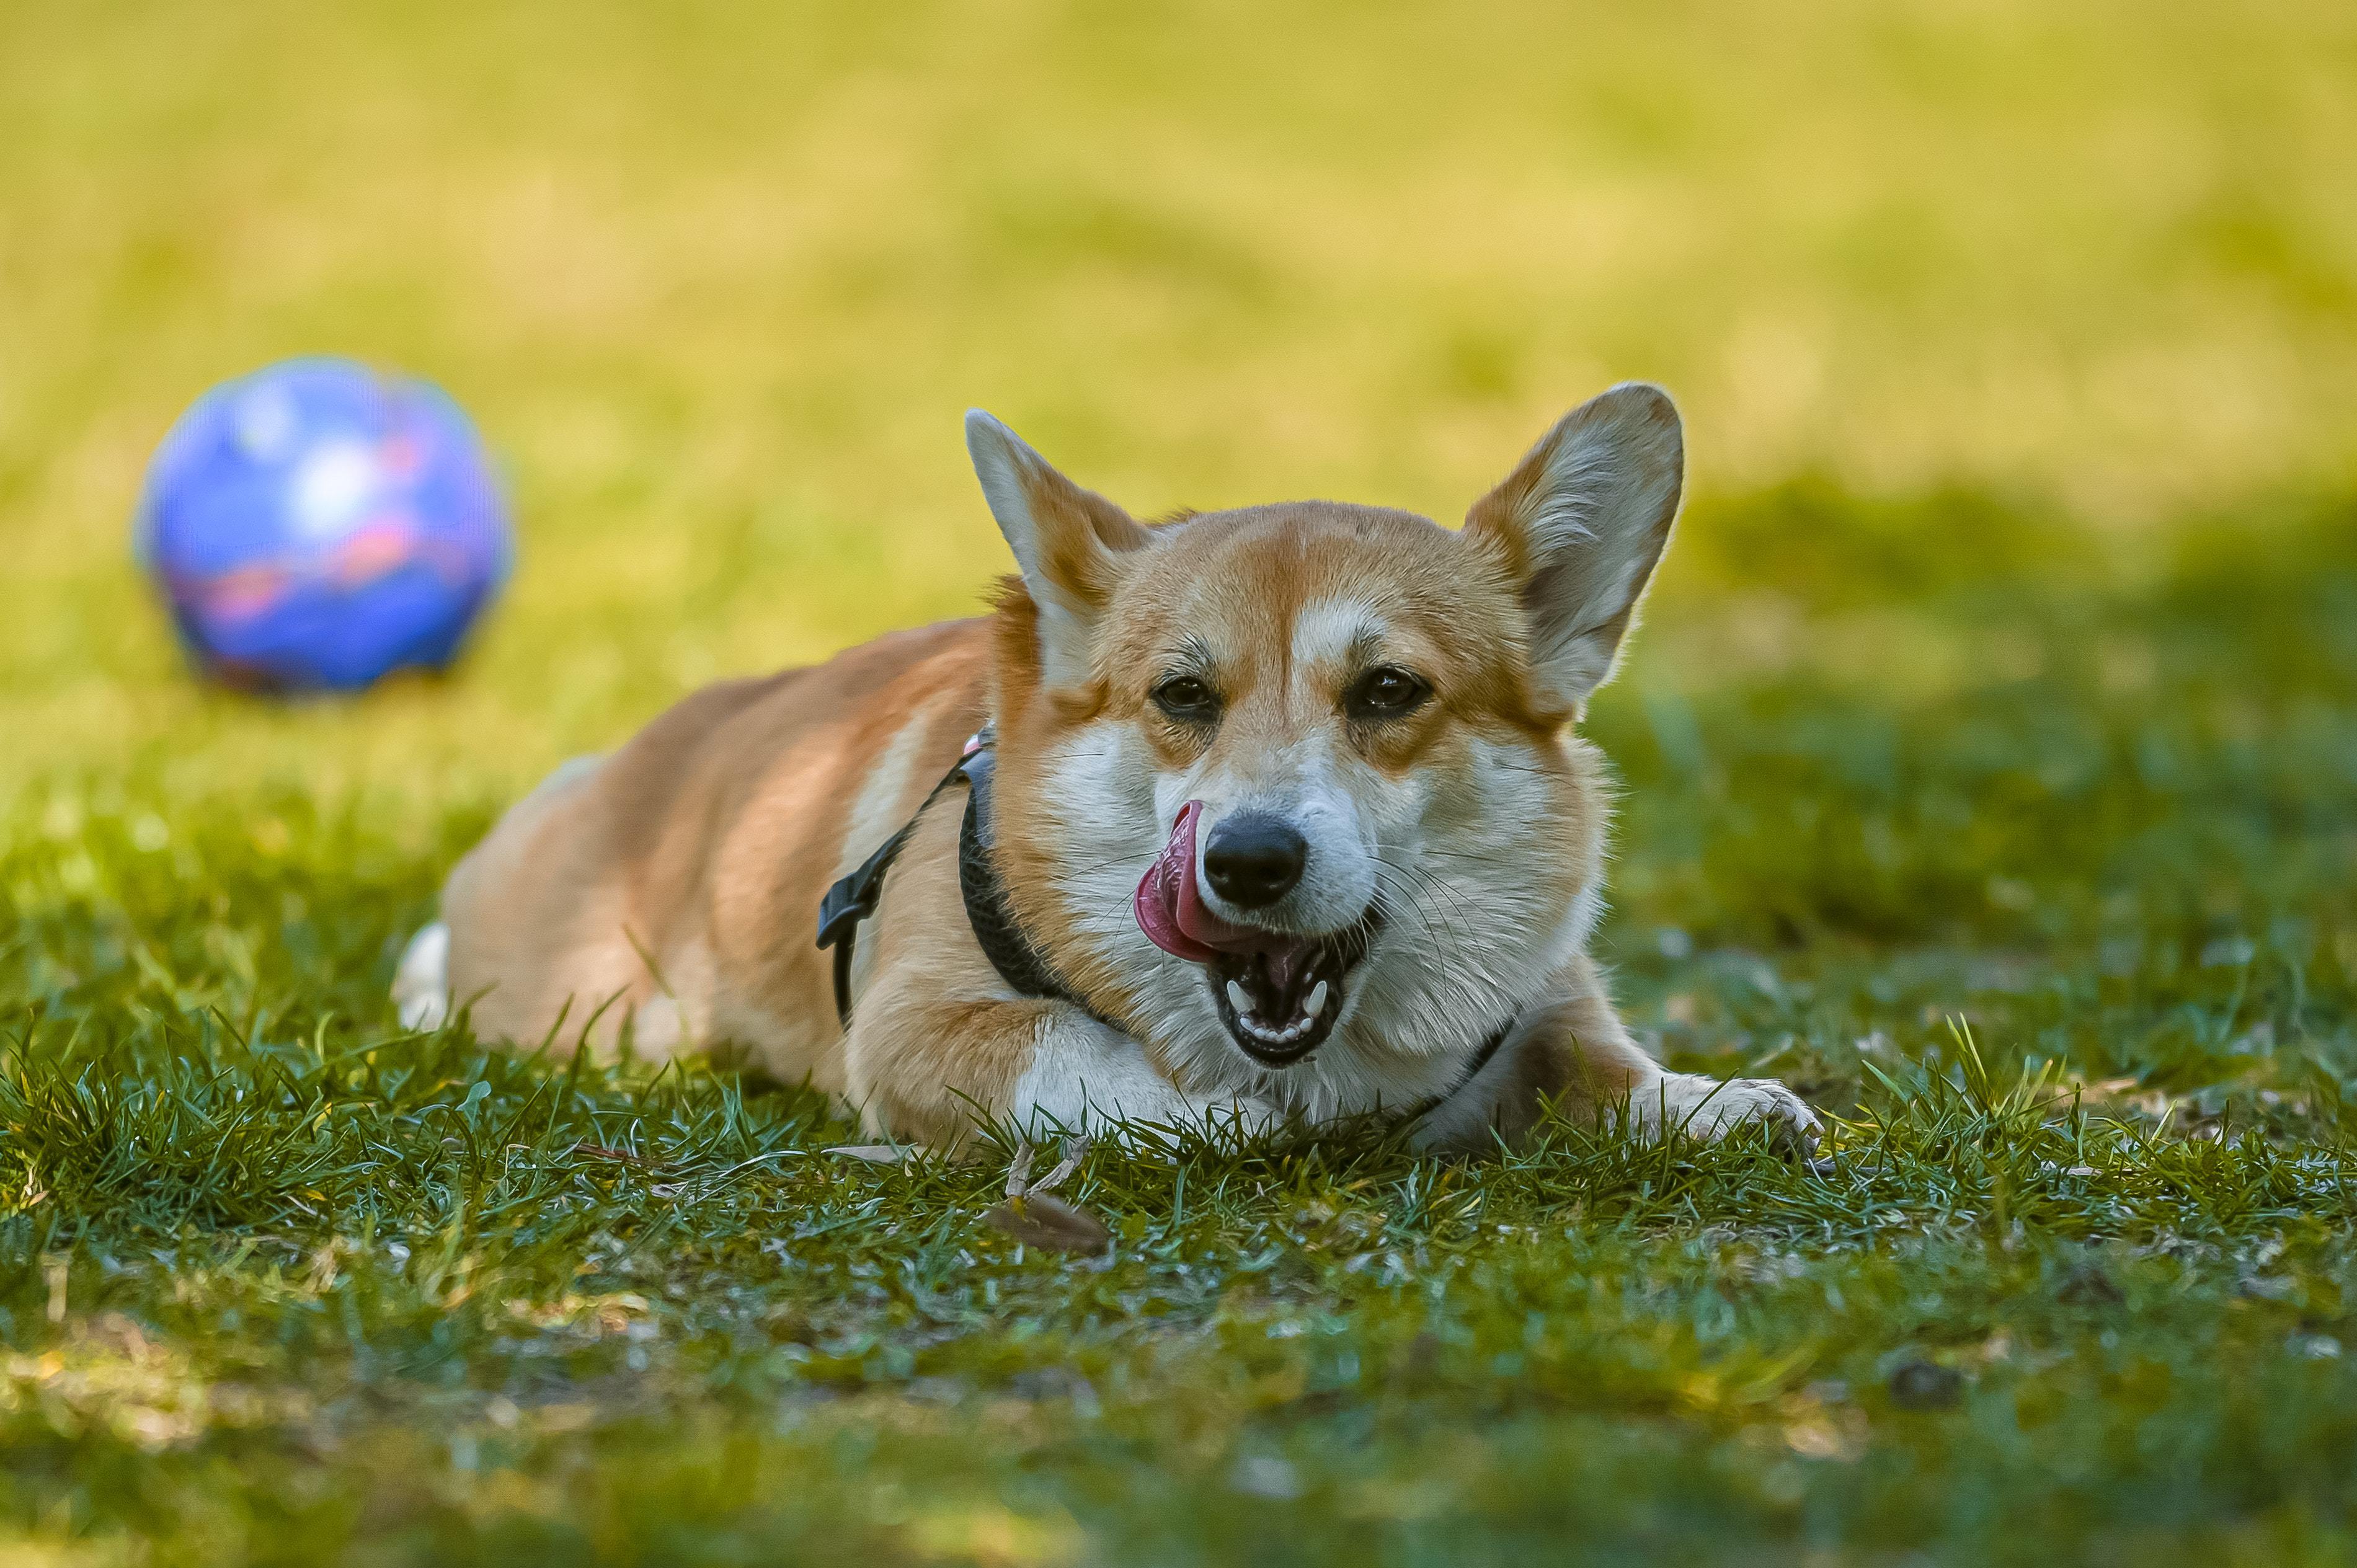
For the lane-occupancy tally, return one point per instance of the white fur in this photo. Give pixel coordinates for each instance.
(1325, 631)
(420, 985)
(1580, 923)
(1710, 1107)
(659, 1028)
(1086, 1077)
(1474, 930)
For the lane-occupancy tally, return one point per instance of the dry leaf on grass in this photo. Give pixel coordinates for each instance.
(1043, 1219)
(1036, 1218)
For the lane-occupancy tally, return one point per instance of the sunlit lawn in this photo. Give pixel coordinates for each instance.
(2003, 690)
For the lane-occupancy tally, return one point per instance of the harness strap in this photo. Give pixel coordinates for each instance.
(1490, 1048)
(854, 898)
(1004, 942)
(996, 928)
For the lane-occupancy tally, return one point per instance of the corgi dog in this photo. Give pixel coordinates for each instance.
(1234, 820)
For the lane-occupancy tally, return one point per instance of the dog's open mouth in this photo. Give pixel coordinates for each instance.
(1281, 1003)
(1278, 993)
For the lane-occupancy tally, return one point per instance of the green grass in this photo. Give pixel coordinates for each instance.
(1990, 761)
(279, 1282)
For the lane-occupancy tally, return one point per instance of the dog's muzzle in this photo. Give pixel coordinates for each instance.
(1278, 993)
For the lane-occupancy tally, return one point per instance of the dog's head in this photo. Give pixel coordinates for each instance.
(1293, 790)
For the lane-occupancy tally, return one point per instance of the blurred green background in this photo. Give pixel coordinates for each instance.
(718, 280)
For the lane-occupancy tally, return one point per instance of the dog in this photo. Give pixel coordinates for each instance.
(1278, 815)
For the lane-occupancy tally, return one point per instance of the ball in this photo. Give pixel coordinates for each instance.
(316, 525)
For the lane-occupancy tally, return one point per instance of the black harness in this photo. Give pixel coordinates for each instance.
(1023, 966)
(1010, 950)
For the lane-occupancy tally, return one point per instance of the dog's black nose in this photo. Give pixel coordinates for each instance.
(1253, 859)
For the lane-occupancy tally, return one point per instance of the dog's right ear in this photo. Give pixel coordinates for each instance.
(1067, 541)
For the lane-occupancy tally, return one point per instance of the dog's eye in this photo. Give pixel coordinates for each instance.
(1386, 691)
(1186, 699)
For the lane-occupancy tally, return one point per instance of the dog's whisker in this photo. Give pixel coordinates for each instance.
(1463, 984)
(1426, 877)
(1431, 882)
(1413, 905)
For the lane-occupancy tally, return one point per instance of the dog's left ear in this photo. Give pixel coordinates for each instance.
(1067, 541)
(1580, 524)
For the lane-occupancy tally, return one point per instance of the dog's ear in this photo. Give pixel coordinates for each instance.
(1580, 523)
(1067, 540)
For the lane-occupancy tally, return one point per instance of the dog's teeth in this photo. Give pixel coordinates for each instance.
(1238, 1000)
(1316, 1003)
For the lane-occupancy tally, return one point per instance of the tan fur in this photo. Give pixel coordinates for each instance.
(694, 856)
(670, 891)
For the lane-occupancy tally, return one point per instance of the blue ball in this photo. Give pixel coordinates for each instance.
(316, 525)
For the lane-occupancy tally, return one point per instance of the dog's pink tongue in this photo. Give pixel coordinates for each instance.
(1171, 910)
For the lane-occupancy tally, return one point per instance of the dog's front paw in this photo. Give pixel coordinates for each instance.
(1710, 1107)
(1159, 1122)
(1227, 1122)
